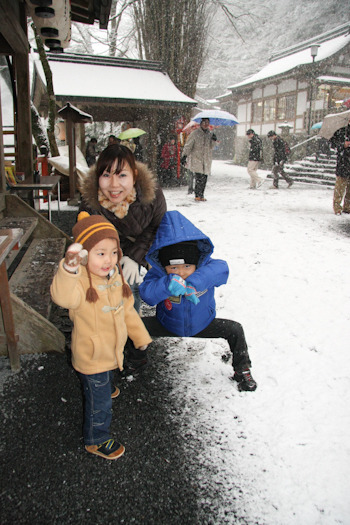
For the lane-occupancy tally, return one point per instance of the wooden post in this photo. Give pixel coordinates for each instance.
(9, 325)
(2, 161)
(71, 154)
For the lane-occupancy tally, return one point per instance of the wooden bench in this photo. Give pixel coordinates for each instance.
(31, 265)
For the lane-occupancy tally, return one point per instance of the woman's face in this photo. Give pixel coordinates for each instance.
(117, 186)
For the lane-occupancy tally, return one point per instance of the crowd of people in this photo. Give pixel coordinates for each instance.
(123, 226)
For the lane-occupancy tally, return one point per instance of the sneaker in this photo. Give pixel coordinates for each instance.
(197, 199)
(290, 184)
(115, 393)
(110, 449)
(346, 211)
(245, 381)
(337, 212)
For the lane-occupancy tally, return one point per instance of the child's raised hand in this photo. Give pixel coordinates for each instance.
(190, 294)
(75, 255)
(177, 286)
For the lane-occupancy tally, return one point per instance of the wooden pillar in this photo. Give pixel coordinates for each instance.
(153, 150)
(71, 150)
(24, 161)
(2, 163)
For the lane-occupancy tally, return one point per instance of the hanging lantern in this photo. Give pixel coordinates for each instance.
(52, 19)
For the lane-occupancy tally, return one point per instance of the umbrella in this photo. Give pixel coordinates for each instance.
(317, 125)
(131, 133)
(333, 122)
(217, 117)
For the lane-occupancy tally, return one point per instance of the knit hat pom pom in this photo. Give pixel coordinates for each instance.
(82, 215)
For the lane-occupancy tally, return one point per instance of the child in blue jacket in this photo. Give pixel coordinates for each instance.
(181, 283)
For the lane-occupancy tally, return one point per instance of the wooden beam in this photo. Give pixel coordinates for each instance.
(10, 27)
(24, 123)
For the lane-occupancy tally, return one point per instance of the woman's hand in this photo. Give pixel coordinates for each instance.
(75, 256)
(131, 270)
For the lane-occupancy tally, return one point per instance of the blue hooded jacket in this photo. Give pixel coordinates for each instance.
(177, 314)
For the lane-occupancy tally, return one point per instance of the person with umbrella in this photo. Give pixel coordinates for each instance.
(199, 148)
(341, 142)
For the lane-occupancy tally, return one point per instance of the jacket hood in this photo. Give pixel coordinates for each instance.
(146, 186)
(173, 229)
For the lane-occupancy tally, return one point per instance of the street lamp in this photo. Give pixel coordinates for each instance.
(314, 51)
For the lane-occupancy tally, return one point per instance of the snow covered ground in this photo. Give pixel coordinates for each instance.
(280, 455)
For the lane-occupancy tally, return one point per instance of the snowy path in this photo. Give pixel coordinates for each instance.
(281, 455)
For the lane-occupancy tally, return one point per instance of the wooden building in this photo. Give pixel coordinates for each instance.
(112, 90)
(296, 89)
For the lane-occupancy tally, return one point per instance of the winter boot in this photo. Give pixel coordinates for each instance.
(245, 380)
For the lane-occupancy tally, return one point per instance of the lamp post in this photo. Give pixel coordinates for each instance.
(314, 51)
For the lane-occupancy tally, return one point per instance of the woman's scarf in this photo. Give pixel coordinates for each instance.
(120, 210)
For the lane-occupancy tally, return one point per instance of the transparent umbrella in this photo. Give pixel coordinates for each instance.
(131, 133)
(332, 122)
(217, 117)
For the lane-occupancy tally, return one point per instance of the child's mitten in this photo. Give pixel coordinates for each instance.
(177, 286)
(190, 294)
(75, 255)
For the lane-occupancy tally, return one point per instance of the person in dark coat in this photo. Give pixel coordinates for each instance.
(341, 142)
(255, 156)
(91, 152)
(126, 192)
(181, 282)
(279, 159)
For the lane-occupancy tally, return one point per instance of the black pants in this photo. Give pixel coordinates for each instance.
(218, 328)
(201, 181)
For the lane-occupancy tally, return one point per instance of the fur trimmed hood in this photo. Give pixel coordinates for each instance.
(145, 185)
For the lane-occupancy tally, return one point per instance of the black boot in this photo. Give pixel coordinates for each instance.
(134, 360)
(245, 380)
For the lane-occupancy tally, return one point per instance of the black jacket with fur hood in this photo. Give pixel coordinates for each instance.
(138, 228)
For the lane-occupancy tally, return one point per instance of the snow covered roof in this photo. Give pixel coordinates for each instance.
(329, 43)
(103, 78)
(332, 80)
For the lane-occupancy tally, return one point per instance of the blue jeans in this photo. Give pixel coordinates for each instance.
(97, 390)
(137, 299)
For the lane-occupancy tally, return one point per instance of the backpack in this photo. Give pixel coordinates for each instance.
(287, 149)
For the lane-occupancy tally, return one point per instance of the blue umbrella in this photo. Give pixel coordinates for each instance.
(217, 117)
(317, 125)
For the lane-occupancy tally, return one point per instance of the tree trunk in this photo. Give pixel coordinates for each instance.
(50, 92)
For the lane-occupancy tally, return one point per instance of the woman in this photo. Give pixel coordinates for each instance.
(127, 194)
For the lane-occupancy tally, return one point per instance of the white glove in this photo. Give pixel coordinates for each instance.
(131, 270)
(75, 256)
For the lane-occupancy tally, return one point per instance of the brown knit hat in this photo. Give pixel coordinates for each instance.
(88, 231)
